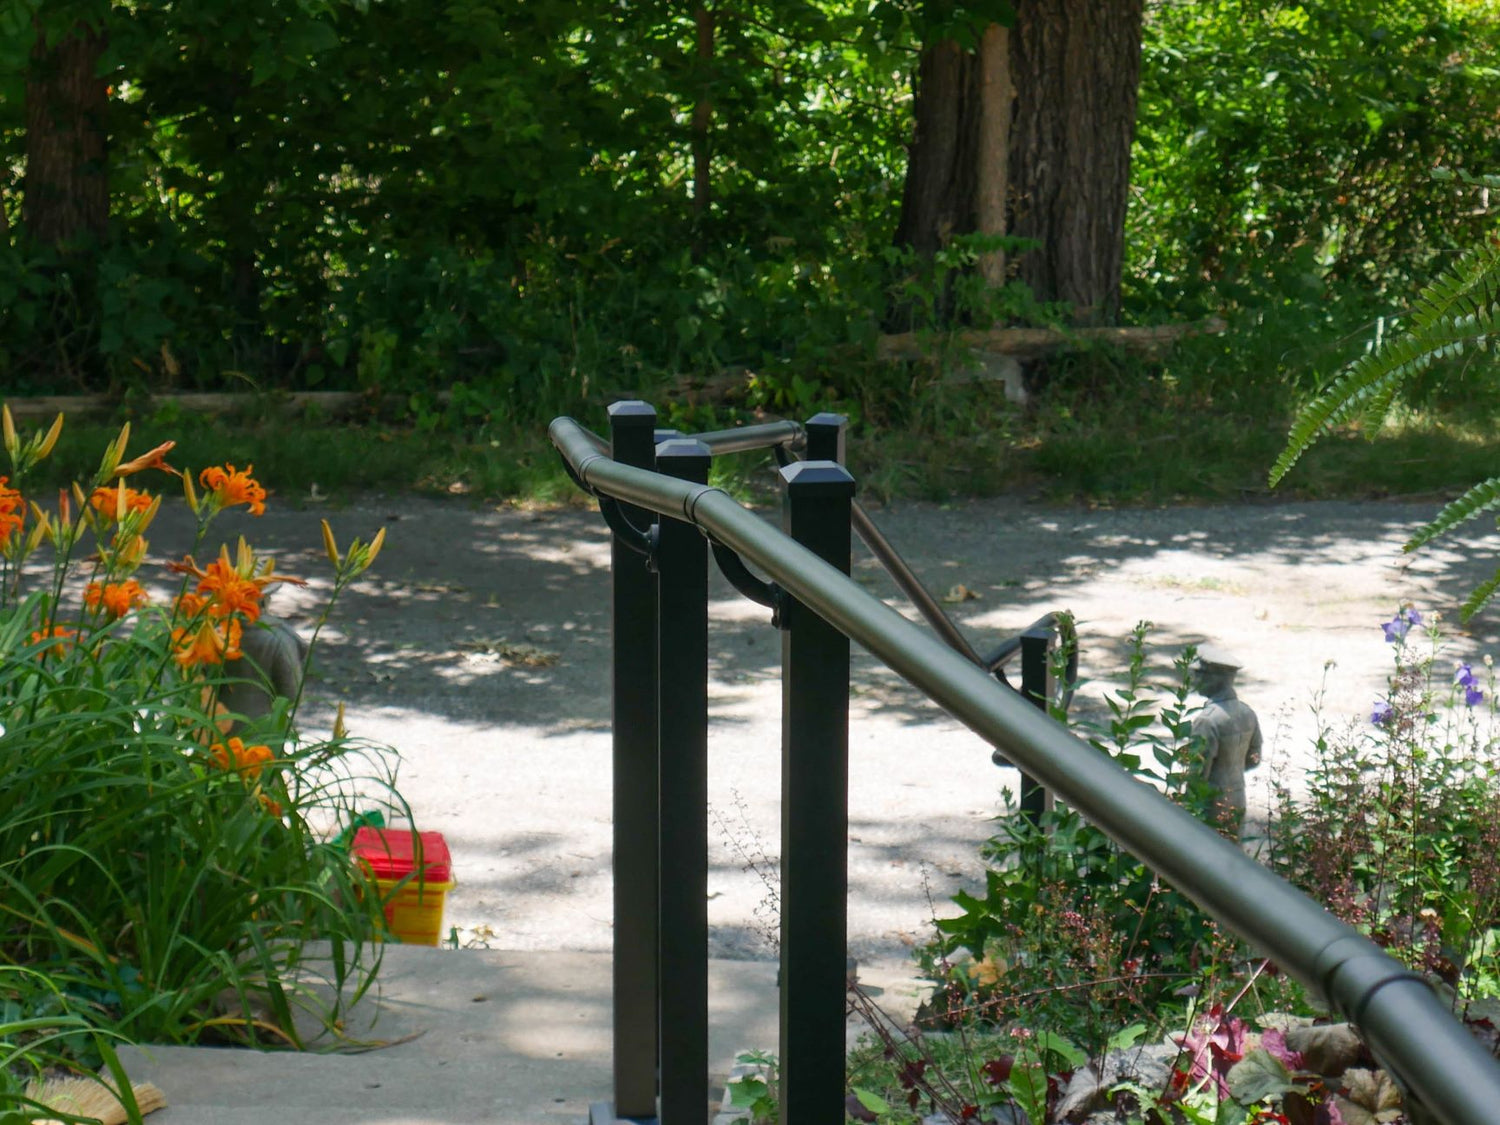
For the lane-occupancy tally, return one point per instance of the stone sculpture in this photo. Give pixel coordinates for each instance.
(1229, 731)
(270, 668)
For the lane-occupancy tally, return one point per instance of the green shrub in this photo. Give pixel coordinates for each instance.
(163, 863)
(1399, 826)
(1072, 933)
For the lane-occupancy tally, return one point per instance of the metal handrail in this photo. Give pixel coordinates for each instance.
(791, 436)
(1406, 1026)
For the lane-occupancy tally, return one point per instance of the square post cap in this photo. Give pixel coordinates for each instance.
(631, 412)
(817, 478)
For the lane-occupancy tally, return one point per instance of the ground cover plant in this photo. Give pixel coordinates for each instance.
(1400, 822)
(166, 871)
(1077, 984)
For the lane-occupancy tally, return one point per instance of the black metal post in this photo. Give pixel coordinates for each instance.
(632, 442)
(682, 639)
(1036, 688)
(814, 809)
(826, 436)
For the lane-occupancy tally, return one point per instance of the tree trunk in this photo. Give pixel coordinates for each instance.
(938, 199)
(992, 152)
(66, 190)
(1077, 70)
(703, 112)
(1058, 92)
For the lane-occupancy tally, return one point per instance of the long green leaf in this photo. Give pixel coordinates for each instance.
(1481, 498)
(1482, 594)
(1460, 308)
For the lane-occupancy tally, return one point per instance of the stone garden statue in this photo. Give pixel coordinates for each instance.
(1229, 730)
(270, 668)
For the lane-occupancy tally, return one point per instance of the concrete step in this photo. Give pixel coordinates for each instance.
(475, 1037)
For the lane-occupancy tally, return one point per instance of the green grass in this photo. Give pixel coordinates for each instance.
(298, 457)
(1103, 432)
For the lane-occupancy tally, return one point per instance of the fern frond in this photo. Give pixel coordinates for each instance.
(1483, 497)
(1459, 309)
(1468, 287)
(1369, 379)
(1482, 593)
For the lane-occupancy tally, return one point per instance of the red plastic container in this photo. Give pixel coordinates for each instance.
(413, 910)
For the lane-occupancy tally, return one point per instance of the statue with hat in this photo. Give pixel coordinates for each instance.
(1228, 730)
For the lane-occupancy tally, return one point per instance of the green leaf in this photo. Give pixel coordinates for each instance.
(872, 1101)
(1482, 497)
(1062, 1048)
(1126, 1037)
(1461, 306)
(1258, 1075)
(745, 1092)
(1482, 594)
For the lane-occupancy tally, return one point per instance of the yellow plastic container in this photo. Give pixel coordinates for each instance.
(413, 909)
(415, 912)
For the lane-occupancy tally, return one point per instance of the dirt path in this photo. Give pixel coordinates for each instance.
(479, 647)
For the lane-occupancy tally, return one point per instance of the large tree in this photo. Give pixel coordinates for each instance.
(1026, 130)
(66, 188)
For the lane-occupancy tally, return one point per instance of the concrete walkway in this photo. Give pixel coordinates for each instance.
(476, 1037)
(479, 648)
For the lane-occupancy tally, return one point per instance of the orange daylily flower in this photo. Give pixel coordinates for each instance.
(105, 501)
(231, 586)
(12, 512)
(209, 642)
(189, 606)
(247, 761)
(117, 598)
(61, 633)
(228, 592)
(231, 486)
(149, 460)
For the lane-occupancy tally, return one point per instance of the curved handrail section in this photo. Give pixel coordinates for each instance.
(1403, 1021)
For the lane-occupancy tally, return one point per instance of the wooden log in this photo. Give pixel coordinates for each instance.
(1033, 343)
(197, 402)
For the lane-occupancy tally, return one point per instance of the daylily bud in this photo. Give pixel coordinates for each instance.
(150, 513)
(189, 492)
(113, 454)
(375, 545)
(51, 439)
(38, 530)
(12, 443)
(85, 509)
(42, 524)
(339, 729)
(330, 548)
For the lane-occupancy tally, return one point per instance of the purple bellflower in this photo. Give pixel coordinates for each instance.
(1397, 627)
(1464, 677)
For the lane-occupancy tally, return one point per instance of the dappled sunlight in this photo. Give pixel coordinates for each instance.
(479, 646)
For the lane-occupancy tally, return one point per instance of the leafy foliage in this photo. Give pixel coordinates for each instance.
(1071, 932)
(1457, 312)
(1460, 309)
(501, 197)
(164, 861)
(1398, 829)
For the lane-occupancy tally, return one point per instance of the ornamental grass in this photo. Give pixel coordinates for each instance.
(167, 868)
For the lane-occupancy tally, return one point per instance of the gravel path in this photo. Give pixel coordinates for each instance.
(479, 647)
